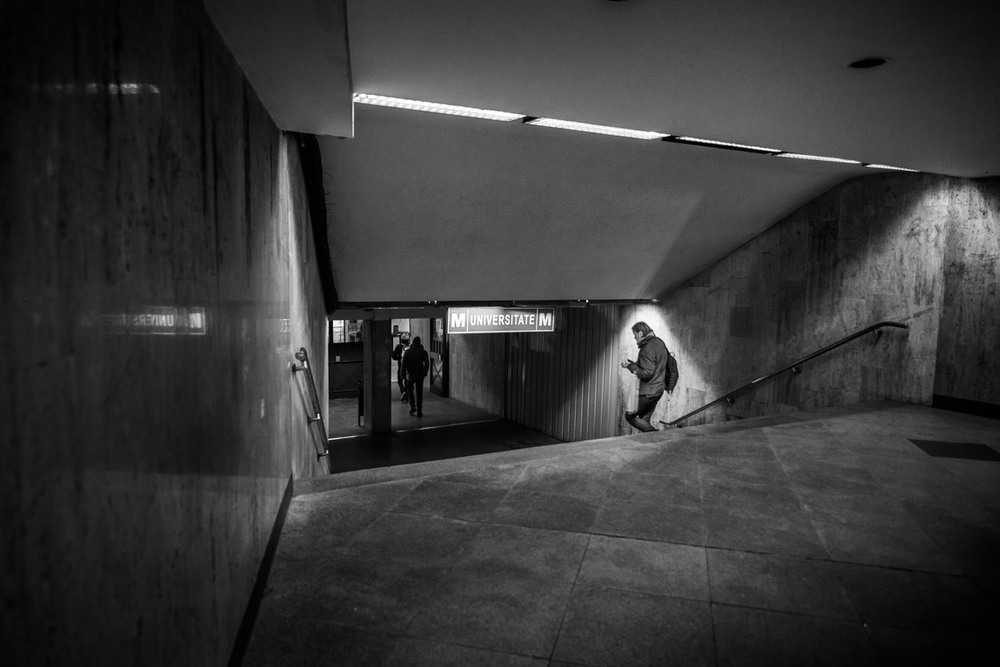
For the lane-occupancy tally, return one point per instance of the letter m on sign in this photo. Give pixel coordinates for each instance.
(545, 321)
(458, 320)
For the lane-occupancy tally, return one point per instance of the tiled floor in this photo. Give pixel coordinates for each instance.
(437, 411)
(813, 539)
(448, 429)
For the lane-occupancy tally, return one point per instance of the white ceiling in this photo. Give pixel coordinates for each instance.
(425, 207)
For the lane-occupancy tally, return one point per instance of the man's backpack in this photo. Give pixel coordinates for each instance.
(672, 373)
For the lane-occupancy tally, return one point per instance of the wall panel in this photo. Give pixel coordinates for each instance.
(880, 247)
(968, 366)
(157, 275)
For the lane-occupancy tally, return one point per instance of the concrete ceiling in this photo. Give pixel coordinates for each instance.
(425, 207)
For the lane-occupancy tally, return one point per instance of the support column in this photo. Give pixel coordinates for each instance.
(378, 381)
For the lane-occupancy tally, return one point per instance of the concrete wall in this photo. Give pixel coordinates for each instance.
(875, 248)
(918, 249)
(157, 273)
(478, 370)
(968, 366)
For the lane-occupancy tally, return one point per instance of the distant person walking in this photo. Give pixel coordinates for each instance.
(416, 363)
(651, 369)
(397, 354)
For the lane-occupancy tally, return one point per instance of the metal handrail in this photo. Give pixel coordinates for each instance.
(794, 367)
(303, 356)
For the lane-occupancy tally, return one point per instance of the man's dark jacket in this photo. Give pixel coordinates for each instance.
(416, 361)
(651, 365)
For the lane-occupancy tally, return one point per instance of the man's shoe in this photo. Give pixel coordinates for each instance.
(413, 412)
(419, 414)
(402, 398)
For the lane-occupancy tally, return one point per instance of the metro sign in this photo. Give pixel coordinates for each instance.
(500, 320)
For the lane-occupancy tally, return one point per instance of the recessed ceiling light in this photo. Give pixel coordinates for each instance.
(868, 63)
(886, 166)
(435, 107)
(820, 158)
(727, 144)
(596, 129)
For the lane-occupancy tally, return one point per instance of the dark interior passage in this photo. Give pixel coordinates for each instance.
(448, 429)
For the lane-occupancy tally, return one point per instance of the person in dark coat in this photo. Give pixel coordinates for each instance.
(651, 369)
(416, 363)
(397, 355)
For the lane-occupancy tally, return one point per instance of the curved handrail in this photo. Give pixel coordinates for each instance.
(303, 356)
(790, 367)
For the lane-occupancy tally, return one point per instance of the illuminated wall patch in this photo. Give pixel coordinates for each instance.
(500, 320)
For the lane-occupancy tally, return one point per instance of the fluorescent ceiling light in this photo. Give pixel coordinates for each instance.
(801, 156)
(435, 107)
(886, 166)
(596, 129)
(726, 144)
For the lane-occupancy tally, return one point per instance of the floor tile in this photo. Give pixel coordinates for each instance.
(320, 526)
(912, 648)
(352, 591)
(524, 553)
(502, 476)
(745, 637)
(416, 541)
(735, 447)
(742, 470)
(650, 567)
(450, 499)
(789, 533)
(749, 497)
(919, 601)
(825, 475)
(902, 546)
(779, 583)
(370, 496)
(676, 457)
(410, 652)
(679, 524)
(976, 550)
(835, 505)
(499, 613)
(546, 510)
(614, 627)
(309, 640)
(578, 480)
(655, 489)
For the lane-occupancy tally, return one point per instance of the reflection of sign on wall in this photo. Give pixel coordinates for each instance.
(158, 320)
(500, 320)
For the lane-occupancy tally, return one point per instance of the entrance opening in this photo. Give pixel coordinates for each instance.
(448, 428)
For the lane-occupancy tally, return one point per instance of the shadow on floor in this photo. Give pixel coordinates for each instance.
(448, 429)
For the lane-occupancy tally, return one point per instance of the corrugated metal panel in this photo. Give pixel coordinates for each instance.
(563, 383)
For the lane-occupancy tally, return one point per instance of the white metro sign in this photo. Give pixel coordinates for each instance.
(500, 320)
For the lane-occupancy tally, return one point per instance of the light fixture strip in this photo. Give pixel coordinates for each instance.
(819, 158)
(596, 129)
(727, 144)
(886, 166)
(436, 107)
(506, 116)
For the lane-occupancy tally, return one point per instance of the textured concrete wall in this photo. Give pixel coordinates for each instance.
(478, 372)
(968, 366)
(871, 249)
(156, 273)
